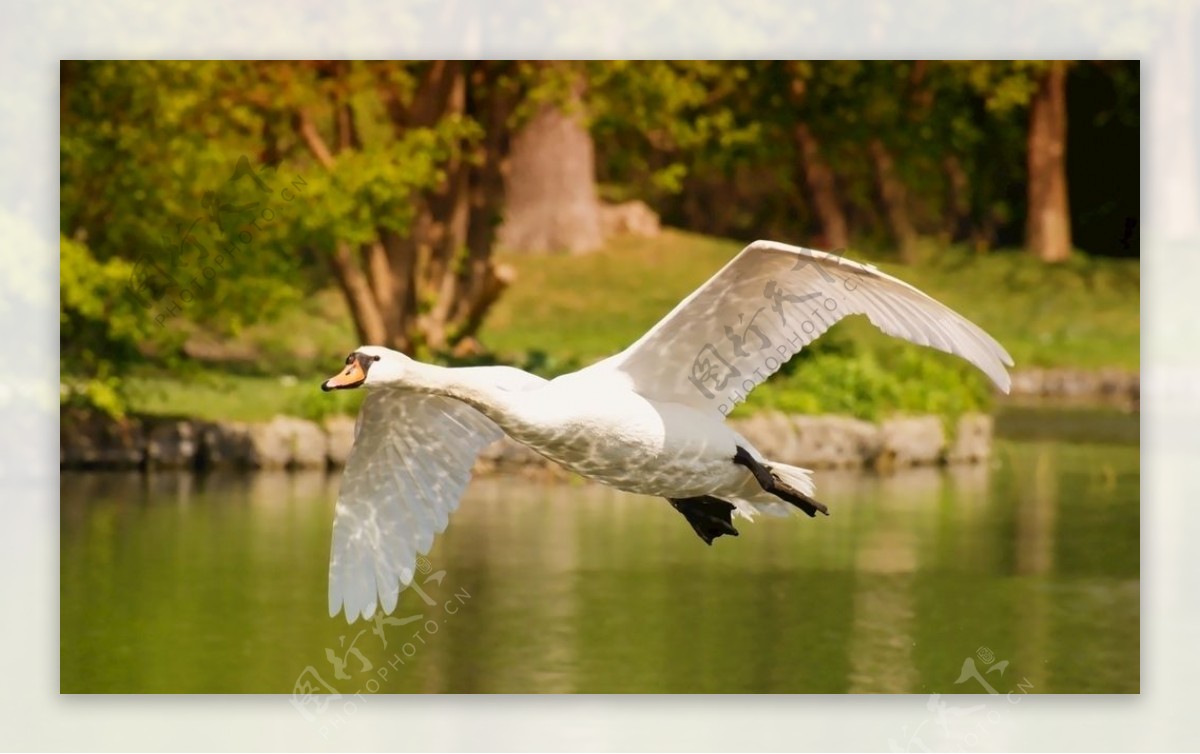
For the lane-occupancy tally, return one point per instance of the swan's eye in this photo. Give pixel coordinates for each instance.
(349, 359)
(377, 358)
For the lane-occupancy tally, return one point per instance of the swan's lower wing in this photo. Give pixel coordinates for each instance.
(411, 461)
(767, 304)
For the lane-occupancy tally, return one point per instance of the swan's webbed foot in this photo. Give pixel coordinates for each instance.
(710, 517)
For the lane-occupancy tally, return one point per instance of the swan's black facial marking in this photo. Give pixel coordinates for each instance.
(353, 375)
(364, 361)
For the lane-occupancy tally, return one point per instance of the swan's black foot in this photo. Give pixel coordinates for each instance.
(776, 486)
(709, 516)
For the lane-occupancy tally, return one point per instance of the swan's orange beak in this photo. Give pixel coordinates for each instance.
(352, 376)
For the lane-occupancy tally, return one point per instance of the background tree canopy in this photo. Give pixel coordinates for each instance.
(199, 198)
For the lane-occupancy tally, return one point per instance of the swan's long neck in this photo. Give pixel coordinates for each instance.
(466, 385)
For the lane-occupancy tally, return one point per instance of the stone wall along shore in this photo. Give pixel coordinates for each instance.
(287, 442)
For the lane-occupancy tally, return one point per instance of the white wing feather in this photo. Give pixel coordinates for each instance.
(763, 307)
(410, 464)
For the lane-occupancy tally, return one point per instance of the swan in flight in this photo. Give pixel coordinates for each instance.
(648, 420)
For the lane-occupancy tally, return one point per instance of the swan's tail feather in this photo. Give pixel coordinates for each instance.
(795, 486)
(793, 477)
(790, 484)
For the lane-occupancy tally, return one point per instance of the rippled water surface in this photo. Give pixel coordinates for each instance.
(921, 581)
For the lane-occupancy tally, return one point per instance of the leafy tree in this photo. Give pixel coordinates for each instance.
(103, 328)
(385, 175)
(224, 192)
(1037, 88)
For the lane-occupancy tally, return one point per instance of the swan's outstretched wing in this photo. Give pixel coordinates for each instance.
(411, 461)
(770, 301)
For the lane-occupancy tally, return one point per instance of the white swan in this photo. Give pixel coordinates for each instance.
(648, 420)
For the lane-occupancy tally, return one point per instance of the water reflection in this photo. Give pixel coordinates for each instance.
(176, 583)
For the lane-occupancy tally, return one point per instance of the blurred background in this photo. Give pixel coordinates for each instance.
(230, 230)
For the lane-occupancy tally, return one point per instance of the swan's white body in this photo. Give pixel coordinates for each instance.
(648, 420)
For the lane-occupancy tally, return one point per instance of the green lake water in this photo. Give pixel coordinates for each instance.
(1018, 575)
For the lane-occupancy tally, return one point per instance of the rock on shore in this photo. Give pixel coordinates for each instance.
(1081, 384)
(291, 443)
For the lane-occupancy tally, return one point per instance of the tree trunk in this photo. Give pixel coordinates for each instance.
(550, 202)
(958, 198)
(895, 200)
(1048, 224)
(451, 213)
(403, 259)
(446, 257)
(368, 321)
(486, 281)
(452, 221)
(819, 177)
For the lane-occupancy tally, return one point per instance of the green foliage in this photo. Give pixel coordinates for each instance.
(1004, 85)
(1082, 314)
(374, 188)
(103, 329)
(713, 145)
(194, 172)
(873, 385)
(146, 148)
(662, 121)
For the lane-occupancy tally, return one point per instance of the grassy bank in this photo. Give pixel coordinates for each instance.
(1083, 314)
(565, 312)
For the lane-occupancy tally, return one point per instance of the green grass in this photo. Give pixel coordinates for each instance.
(567, 311)
(271, 368)
(214, 395)
(1084, 314)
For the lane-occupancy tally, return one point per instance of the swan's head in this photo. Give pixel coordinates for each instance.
(369, 366)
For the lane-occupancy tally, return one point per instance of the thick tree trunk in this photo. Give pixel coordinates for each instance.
(379, 275)
(819, 178)
(420, 258)
(551, 203)
(1048, 225)
(402, 257)
(368, 321)
(895, 200)
(470, 211)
